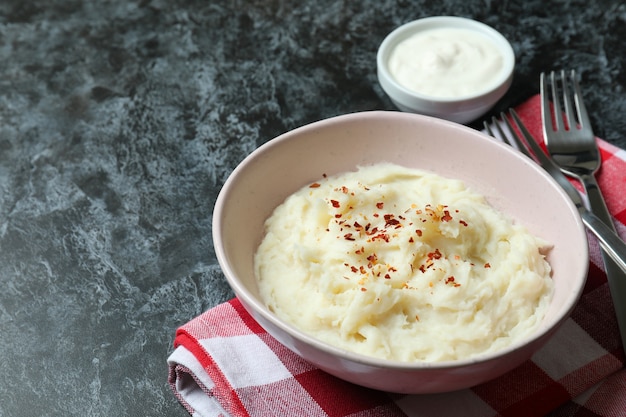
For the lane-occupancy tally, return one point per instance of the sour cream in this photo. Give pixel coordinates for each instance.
(446, 62)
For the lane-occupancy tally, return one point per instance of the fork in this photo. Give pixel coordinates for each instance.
(569, 139)
(572, 147)
(572, 144)
(609, 240)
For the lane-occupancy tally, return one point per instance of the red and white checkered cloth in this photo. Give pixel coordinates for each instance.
(225, 364)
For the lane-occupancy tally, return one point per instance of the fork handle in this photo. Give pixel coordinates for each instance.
(612, 244)
(596, 200)
(615, 278)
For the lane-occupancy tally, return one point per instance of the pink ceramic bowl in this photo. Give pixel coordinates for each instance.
(511, 182)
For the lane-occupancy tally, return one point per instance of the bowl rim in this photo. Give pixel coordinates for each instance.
(256, 307)
(393, 87)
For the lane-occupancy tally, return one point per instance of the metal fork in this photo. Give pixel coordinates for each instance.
(572, 144)
(609, 240)
(572, 147)
(569, 139)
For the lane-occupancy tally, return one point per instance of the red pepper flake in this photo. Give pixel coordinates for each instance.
(411, 239)
(363, 289)
(380, 205)
(446, 216)
(450, 280)
(354, 268)
(371, 232)
(463, 222)
(418, 232)
(430, 260)
(487, 265)
(435, 255)
(362, 269)
(372, 258)
(344, 189)
(360, 251)
(387, 276)
(348, 236)
(390, 220)
(335, 203)
(315, 185)
(381, 236)
(357, 225)
(338, 216)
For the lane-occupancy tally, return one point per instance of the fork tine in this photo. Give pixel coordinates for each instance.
(495, 127)
(510, 139)
(514, 136)
(558, 120)
(494, 130)
(530, 141)
(581, 110)
(546, 114)
(488, 128)
(570, 119)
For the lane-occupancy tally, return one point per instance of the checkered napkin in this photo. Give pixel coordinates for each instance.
(225, 364)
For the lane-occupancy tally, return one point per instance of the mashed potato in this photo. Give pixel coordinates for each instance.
(402, 264)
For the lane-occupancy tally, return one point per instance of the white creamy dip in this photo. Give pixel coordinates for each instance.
(402, 264)
(446, 62)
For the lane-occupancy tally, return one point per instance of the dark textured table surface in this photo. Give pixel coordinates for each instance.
(120, 121)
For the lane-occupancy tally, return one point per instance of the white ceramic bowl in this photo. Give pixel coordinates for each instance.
(461, 109)
(510, 181)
